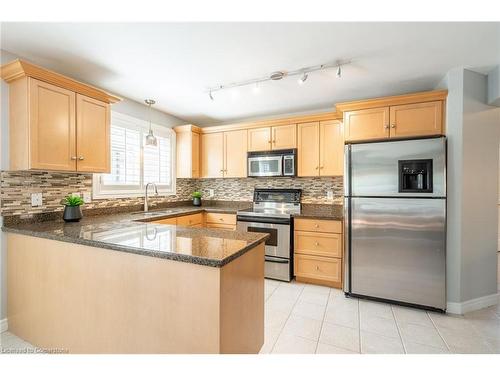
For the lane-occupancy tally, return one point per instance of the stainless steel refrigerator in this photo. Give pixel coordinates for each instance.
(395, 221)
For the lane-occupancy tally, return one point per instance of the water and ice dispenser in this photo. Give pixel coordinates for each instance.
(415, 176)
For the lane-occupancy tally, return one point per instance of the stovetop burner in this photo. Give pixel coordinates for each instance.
(280, 203)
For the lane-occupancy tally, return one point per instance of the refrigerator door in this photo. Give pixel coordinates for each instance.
(397, 250)
(374, 168)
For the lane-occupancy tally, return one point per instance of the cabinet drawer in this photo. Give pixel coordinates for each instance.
(215, 218)
(324, 244)
(314, 225)
(221, 226)
(190, 219)
(170, 220)
(313, 267)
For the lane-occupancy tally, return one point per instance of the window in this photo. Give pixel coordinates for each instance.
(133, 164)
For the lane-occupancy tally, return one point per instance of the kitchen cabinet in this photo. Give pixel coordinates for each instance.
(318, 251)
(220, 221)
(272, 138)
(92, 135)
(320, 148)
(403, 116)
(55, 122)
(188, 152)
(212, 155)
(224, 154)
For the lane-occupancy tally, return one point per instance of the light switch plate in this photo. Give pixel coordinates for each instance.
(211, 193)
(87, 197)
(77, 194)
(329, 195)
(36, 199)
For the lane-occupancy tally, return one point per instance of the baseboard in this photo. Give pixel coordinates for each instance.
(4, 325)
(472, 305)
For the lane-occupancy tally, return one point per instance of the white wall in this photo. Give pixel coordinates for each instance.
(473, 131)
(127, 106)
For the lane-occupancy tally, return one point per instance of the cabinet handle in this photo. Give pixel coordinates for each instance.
(317, 268)
(316, 244)
(221, 219)
(274, 140)
(73, 158)
(317, 167)
(393, 126)
(316, 225)
(80, 158)
(321, 167)
(270, 141)
(386, 126)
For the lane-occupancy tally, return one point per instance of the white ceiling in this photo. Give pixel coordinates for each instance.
(174, 63)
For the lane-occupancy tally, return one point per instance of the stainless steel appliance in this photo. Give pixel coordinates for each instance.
(272, 163)
(272, 213)
(395, 221)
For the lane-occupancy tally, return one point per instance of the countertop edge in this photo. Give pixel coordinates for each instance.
(132, 250)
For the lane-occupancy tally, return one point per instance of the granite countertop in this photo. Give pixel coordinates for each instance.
(134, 232)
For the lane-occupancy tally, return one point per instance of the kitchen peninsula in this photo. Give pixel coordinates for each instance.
(122, 284)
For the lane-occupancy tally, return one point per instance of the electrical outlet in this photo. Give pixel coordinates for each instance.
(329, 195)
(36, 199)
(211, 193)
(77, 194)
(87, 197)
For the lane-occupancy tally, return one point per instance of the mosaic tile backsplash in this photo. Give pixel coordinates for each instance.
(16, 188)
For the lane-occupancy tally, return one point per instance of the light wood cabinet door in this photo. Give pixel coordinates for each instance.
(195, 155)
(420, 119)
(190, 220)
(92, 135)
(216, 218)
(366, 124)
(319, 269)
(308, 149)
(52, 127)
(259, 139)
(212, 155)
(235, 153)
(321, 244)
(331, 148)
(284, 137)
(314, 225)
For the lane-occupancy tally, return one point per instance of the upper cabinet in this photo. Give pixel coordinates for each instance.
(56, 123)
(320, 148)
(224, 154)
(272, 138)
(405, 116)
(188, 151)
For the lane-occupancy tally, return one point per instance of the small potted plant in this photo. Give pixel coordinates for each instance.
(197, 198)
(72, 210)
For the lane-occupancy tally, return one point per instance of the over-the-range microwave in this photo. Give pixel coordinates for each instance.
(281, 163)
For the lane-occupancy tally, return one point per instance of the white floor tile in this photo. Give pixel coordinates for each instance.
(343, 315)
(317, 289)
(287, 292)
(488, 328)
(303, 327)
(379, 325)
(454, 322)
(421, 335)
(372, 343)
(275, 319)
(464, 343)
(414, 348)
(270, 337)
(280, 303)
(409, 315)
(340, 336)
(330, 349)
(309, 310)
(379, 309)
(287, 344)
(313, 297)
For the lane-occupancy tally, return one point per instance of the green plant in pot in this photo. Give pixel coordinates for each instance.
(72, 209)
(197, 198)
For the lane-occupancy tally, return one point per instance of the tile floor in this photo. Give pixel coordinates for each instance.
(309, 319)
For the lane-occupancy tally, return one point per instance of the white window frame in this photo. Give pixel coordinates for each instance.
(120, 119)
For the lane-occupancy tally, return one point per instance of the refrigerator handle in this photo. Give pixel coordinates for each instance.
(347, 245)
(347, 170)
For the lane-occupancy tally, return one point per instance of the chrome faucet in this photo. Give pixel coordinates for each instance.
(146, 207)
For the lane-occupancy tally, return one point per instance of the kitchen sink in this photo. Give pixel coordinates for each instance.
(153, 213)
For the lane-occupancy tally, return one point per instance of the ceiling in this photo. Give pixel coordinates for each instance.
(175, 63)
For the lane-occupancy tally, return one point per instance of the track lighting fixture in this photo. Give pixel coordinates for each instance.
(281, 74)
(302, 79)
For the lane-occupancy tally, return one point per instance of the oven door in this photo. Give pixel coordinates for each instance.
(278, 244)
(261, 166)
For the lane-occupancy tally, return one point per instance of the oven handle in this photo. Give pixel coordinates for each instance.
(259, 219)
(275, 260)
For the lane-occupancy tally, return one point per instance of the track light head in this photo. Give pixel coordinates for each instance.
(339, 72)
(302, 79)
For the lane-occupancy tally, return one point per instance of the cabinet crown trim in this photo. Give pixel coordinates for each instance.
(19, 68)
(387, 101)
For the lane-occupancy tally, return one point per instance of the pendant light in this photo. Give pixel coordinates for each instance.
(150, 138)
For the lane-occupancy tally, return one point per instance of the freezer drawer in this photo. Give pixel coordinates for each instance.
(397, 249)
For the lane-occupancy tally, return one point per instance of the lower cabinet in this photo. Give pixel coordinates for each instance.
(318, 251)
(200, 220)
(220, 221)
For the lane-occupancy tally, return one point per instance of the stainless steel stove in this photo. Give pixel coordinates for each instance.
(272, 213)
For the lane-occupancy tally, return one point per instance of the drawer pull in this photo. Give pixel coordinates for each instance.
(317, 268)
(316, 225)
(316, 244)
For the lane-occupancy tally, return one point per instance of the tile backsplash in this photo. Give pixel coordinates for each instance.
(16, 189)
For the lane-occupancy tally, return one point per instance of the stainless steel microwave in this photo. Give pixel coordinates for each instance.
(281, 163)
